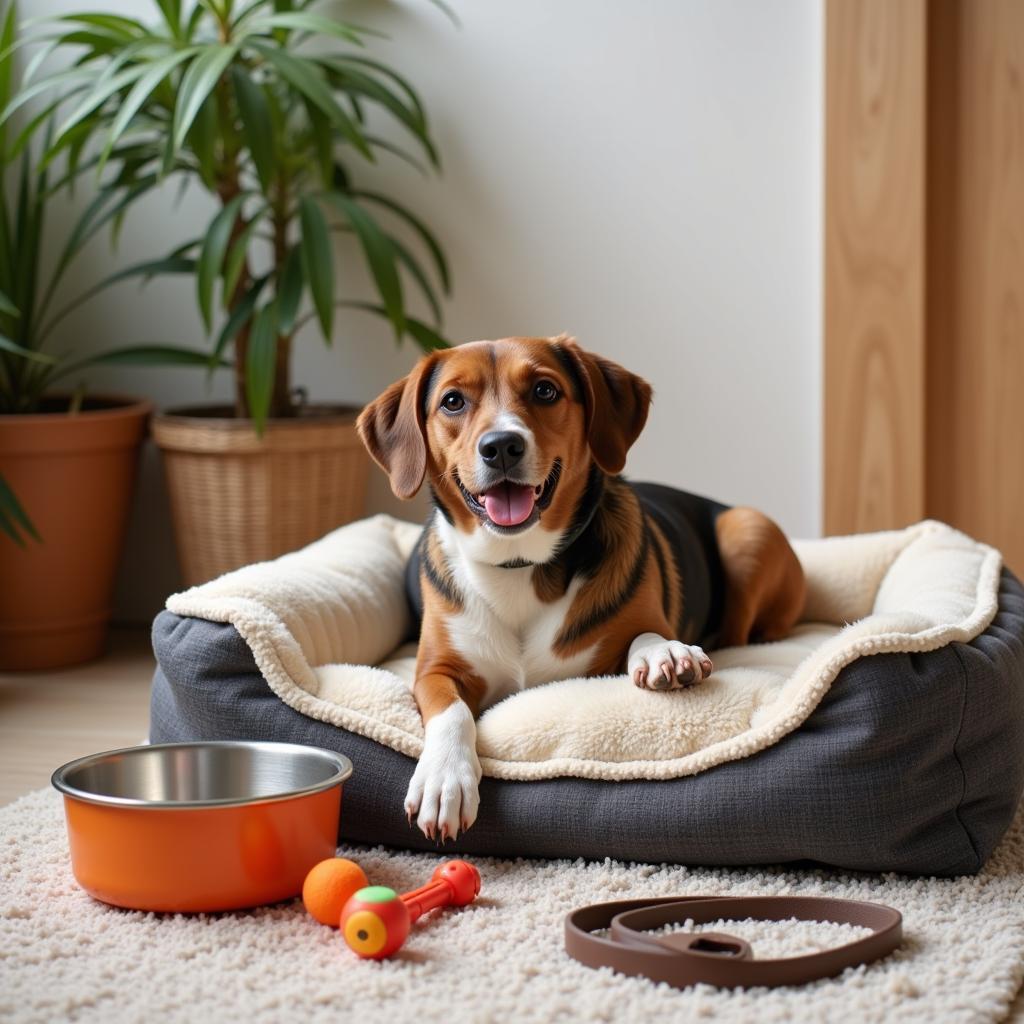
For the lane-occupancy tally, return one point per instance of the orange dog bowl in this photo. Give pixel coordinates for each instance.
(201, 826)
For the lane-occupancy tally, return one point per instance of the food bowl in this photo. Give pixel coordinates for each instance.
(201, 826)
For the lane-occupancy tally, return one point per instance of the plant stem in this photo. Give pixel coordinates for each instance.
(281, 398)
(229, 186)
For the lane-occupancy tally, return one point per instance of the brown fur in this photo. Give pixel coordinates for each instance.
(603, 412)
(765, 585)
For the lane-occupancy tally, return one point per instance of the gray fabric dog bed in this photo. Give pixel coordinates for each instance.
(892, 739)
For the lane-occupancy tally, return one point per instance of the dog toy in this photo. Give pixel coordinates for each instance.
(328, 887)
(376, 920)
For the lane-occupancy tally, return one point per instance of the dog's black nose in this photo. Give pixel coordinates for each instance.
(501, 449)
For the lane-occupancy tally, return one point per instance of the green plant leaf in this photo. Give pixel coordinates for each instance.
(235, 262)
(318, 262)
(380, 255)
(138, 154)
(14, 520)
(104, 85)
(125, 28)
(316, 24)
(7, 34)
(72, 77)
(139, 93)
(96, 215)
(8, 307)
(389, 147)
(425, 336)
(154, 355)
(410, 264)
(448, 11)
(289, 290)
(37, 61)
(140, 355)
(304, 75)
(175, 263)
(419, 227)
(375, 65)
(28, 229)
(240, 314)
(171, 10)
(26, 353)
(203, 138)
(211, 257)
(260, 361)
(196, 84)
(194, 21)
(357, 82)
(257, 126)
(323, 143)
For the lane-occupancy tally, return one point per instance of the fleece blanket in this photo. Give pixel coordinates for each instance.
(326, 625)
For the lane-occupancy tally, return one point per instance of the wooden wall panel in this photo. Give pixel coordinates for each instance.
(874, 263)
(975, 403)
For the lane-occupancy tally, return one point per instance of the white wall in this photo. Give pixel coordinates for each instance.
(646, 177)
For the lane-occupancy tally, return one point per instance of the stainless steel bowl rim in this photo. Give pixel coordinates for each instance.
(342, 765)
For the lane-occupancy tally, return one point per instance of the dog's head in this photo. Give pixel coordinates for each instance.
(506, 430)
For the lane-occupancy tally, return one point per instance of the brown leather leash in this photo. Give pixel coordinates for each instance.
(713, 958)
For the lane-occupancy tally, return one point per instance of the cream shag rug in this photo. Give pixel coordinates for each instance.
(65, 957)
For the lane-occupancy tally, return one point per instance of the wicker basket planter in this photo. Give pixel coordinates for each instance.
(237, 498)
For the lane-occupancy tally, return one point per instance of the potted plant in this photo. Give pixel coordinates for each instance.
(265, 104)
(67, 460)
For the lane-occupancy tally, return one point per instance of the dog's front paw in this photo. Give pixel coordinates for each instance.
(658, 664)
(444, 793)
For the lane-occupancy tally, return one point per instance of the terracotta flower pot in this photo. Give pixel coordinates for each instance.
(74, 476)
(237, 498)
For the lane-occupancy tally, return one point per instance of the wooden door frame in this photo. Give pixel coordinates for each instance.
(924, 267)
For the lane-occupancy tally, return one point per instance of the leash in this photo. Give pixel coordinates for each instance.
(682, 959)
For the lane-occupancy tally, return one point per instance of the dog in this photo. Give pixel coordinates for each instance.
(539, 562)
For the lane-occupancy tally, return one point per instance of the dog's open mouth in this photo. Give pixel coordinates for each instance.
(510, 506)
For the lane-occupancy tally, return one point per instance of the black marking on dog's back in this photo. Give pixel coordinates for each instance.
(659, 557)
(687, 522)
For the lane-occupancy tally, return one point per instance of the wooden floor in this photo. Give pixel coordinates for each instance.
(48, 718)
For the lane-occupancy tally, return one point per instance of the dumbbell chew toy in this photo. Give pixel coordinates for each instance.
(376, 920)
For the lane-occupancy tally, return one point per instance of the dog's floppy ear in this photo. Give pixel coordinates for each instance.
(393, 428)
(616, 404)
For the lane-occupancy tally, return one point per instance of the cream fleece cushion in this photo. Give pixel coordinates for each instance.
(325, 624)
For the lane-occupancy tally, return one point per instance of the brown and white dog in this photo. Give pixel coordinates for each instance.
(539, 562)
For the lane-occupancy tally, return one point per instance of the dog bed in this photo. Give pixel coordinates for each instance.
(887, 733)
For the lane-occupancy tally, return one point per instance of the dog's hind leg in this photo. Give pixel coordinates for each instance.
(765, 587)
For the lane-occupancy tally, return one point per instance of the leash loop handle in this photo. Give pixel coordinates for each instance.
(682, 959)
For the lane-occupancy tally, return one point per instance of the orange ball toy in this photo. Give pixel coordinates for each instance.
(329, 886)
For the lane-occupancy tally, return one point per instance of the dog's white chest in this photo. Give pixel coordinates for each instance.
(507, 634)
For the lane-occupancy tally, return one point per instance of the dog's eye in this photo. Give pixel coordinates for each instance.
(453, 402)
(545, 391)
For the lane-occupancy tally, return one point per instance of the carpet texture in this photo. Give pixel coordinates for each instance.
(65, 957)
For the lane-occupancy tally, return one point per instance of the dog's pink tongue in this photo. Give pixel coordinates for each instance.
(509, 504)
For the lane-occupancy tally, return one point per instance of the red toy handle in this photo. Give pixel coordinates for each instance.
(454, 883)
(375, 921)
